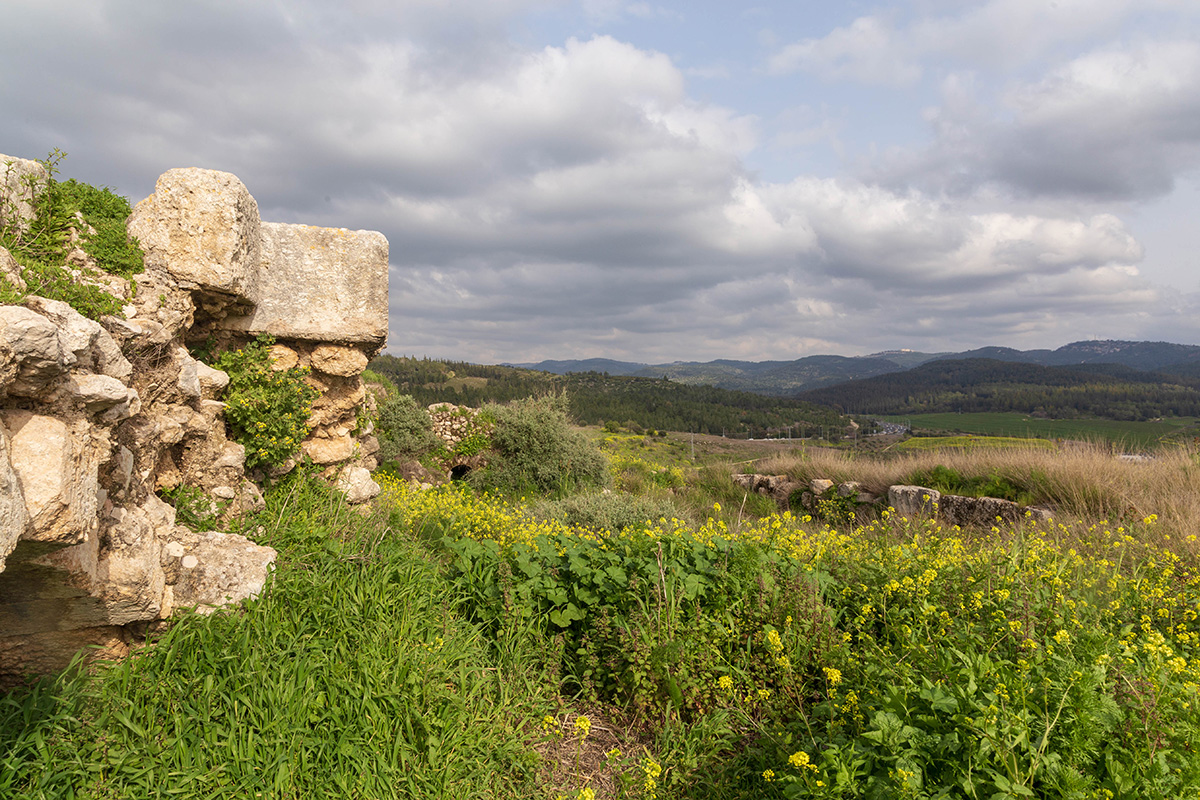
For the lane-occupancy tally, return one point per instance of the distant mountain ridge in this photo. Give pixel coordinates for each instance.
(815, 372)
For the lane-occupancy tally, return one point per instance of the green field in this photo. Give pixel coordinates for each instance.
(1127, 434)
(970, 443)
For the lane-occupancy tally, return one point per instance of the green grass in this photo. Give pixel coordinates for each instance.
(348, 677)
(1129, 434)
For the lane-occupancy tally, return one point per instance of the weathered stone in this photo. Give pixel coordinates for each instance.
(98, 392)
(57, 474)
(212, 381)
(189, 375)
(10, 270)
(215, 569)
(356, 484)
(76, 333)
(202, 226)
(328, 450)
(979, 511)
(16, 191)
(913, 501)
(13, 517)
(340, 399)
(233, 456)
(819, 485)
(108, 359)
(129, 407)
(320, 284)
(130, 564)
(31, 355)
(335, 359)
(283, 357)
(848, 488)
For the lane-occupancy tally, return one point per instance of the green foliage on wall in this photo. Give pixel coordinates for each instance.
(40, 244)
(266, 410)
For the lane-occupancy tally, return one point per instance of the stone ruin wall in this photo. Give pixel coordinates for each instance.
(97, 417)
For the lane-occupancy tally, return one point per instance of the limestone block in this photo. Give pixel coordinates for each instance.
(328, 450)
(108, 359)
(189, 374)
(31, 355)
(132, 577)
(913, 501)
(129, 407)
(13, 517)
(820, 485)
(58, 477)
(339, 400)
(10, 270)
(334, 359)
(981, 512)
(849, 488)
(213, 569)
(76, 333)
(283, 357)
(98, 392)
(202, 226)
(356, 484)
(15, 194)
(233, 456)
(320, 284)
(212, 381)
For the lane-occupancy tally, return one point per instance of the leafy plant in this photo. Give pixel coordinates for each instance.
(266, 410)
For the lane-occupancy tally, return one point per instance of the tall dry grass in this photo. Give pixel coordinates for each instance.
(1083, 482)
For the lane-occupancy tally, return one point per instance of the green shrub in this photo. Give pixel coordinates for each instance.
(405, 430)
(534, 449)
(266, 410)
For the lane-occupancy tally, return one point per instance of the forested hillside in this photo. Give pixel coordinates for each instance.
(597, 398)
(1109, 391)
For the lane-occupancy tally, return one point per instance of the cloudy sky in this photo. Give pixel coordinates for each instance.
(659, 181)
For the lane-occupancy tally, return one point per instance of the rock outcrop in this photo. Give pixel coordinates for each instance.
(98, 419)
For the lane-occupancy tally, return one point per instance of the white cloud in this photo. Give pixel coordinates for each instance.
(883, 49)
(868, 50)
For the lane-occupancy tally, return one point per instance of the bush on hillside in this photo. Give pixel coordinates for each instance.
(405, 429)
(534, 449)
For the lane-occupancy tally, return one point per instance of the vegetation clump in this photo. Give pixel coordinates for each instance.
(40, 245)
(266, 410)
(405, 429)
(534, 449)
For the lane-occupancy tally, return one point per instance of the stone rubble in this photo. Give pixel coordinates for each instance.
(907, 501)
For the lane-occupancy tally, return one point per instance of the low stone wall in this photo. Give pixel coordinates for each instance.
(96, 417)
(908, 501)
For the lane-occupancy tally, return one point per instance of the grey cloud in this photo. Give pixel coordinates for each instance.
(1115, 124)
